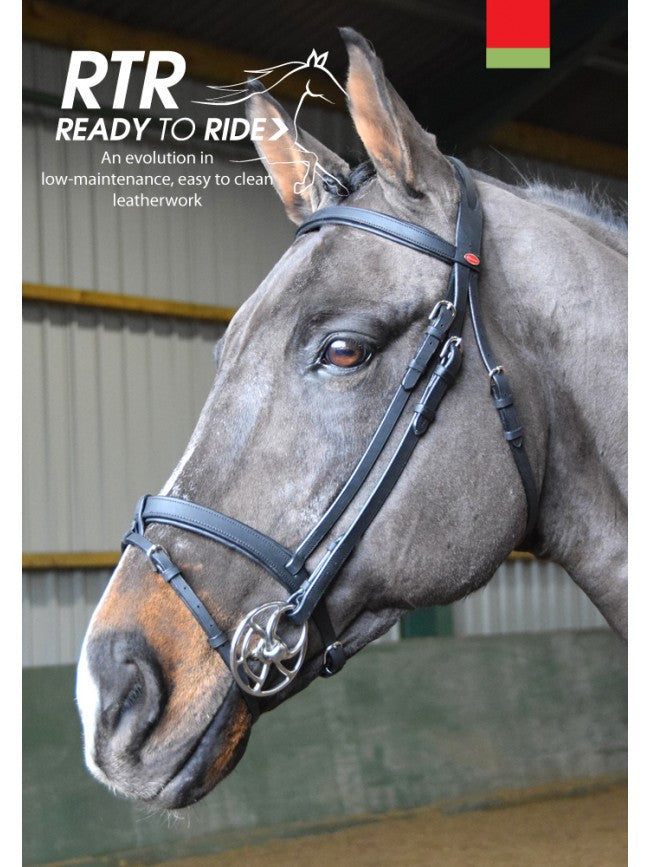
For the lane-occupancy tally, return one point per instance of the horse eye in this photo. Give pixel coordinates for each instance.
(345, 352)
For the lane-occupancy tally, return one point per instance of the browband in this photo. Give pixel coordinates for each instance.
(393, 229)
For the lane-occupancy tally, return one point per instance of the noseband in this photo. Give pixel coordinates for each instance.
(269, 645)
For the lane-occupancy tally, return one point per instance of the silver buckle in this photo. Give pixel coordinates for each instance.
(495, 370)
(452, 341)
(151, 553)
(439, 305)
(258, 652)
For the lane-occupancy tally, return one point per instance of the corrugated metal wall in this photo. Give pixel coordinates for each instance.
(526, 596)
(110, 399)
(57, 606)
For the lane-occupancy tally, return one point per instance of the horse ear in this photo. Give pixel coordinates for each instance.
(302, 169)
(403, 153)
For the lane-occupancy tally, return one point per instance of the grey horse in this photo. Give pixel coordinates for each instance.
(303, 374)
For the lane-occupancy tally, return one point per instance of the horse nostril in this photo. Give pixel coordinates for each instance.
(132, 692)
(133, 695)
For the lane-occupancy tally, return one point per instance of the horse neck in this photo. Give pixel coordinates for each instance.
(555, 294)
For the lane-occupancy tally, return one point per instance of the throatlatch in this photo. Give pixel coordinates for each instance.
(269, 646)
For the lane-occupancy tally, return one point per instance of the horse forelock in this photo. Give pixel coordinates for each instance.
(351, 182)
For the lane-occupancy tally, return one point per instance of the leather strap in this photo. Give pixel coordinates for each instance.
(441, 319)
(220, 528)
(331, 564)
(214, 525)
(393, 229)
(447, 318)
(165, 566)
(505, 406)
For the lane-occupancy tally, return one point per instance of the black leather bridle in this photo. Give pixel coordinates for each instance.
(262, 661)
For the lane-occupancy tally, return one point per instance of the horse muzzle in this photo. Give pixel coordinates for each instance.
(140, 743)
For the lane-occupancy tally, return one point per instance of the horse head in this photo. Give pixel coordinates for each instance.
(303, 376)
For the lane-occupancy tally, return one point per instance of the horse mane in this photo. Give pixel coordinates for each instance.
(595, 211)
(595, 205)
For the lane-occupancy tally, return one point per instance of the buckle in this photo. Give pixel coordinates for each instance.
(453, 341)
(439, 305)
(151, 556)
(330, 664)
(498, 369)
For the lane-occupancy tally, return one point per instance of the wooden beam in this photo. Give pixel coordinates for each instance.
(560, 147)
(60, 25)
(126, 303)
(64, 560)
(521, 555)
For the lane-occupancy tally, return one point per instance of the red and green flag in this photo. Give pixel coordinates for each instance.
(518, 34)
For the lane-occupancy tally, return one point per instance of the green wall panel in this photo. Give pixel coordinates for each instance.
(436, 620)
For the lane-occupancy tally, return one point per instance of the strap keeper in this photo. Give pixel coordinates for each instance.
(410, 380)
(412, 365)
(513, 434)
(422, 418)
(138, 520)
(413, 373)
(445, 374)
(424, 411)
(170, 573)
(331, 546)
(218, 640)
(503, 402)
(436, 329)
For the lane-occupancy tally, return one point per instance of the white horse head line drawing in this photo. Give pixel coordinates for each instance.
(240, 92)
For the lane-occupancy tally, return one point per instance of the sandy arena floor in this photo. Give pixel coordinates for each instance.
(587, 830)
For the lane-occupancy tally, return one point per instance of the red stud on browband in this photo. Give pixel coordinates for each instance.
(471, 258)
